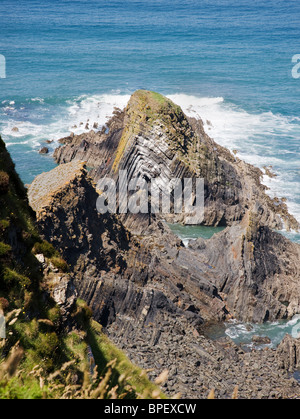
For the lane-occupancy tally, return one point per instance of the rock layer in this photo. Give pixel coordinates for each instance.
(110, 264)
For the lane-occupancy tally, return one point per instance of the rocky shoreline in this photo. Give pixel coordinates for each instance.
(153, 296)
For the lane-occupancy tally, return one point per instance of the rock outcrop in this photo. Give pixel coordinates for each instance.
(252, 267)
(288, 354)
(114, 269)
(153, 139)
(261, 273)
(52, 348)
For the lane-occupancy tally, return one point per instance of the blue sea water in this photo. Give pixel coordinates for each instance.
(69, 62)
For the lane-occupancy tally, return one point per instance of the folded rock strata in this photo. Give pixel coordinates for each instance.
(254, 268)
(116, 271)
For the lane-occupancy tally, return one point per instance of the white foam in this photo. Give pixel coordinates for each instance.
(93, 109)
(276, 331)
(37, 99)
(78, 112)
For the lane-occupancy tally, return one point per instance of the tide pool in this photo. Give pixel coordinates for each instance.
(187, 233)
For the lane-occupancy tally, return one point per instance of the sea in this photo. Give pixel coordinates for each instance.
(65, 65)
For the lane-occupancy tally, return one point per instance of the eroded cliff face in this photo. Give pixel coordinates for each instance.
(153, 139)
(254, 268)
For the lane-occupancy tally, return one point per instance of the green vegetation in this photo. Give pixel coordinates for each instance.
(52, 254)
(45, 249)
(104, 351)
(12, 278)
(4, 249)
(80, 364)
(60, 264)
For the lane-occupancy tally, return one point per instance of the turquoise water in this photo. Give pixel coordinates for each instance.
(242, 333)
(187, 233)
(228, 62)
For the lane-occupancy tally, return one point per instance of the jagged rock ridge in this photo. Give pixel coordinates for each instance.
(261, 270)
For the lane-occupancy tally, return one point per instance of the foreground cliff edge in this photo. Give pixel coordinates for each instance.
(53, 349)
(153, 296)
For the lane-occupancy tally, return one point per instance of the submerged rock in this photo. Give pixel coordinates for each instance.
(261, 340)
(44, 150)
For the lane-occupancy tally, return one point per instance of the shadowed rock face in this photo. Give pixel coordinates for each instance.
(115, 271)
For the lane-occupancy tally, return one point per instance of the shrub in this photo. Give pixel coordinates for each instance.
(45, 248)
(46, 346)
(54, 314)
(4, 224)
(12, 278)
(4, 249)
(60, 264)
(4, 183)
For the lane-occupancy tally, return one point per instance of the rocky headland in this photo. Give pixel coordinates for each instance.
(154, 297)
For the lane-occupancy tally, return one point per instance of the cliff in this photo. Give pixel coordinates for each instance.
(254, 268)
(116, 271)
(153, 296)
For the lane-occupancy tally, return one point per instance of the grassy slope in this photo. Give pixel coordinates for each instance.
(38, 359)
